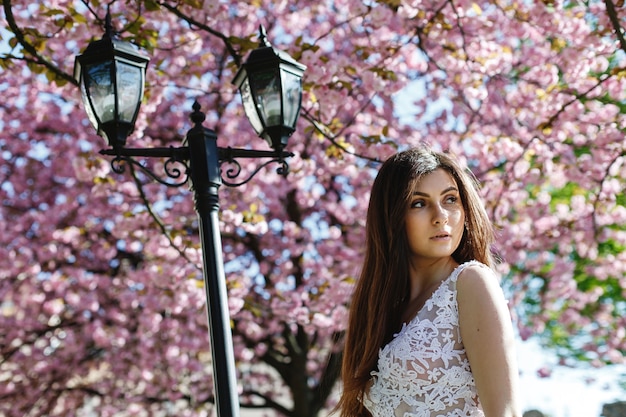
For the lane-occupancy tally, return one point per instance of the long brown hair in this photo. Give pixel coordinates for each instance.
(379, 297)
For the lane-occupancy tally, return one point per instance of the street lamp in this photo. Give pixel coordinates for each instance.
(270, 82)
(111, 75)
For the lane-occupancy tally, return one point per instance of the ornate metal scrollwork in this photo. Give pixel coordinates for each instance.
(235, 170)
(175, 166)
(283, 168)
(228, 156)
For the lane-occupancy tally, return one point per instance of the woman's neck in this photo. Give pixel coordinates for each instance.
(425, 278)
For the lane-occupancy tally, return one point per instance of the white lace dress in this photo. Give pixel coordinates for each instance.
(424, 370)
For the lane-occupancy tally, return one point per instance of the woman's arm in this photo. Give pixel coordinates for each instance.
(487, 334)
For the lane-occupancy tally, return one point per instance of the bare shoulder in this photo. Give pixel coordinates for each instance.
(478, 281)
(483, 310)
(478, 274)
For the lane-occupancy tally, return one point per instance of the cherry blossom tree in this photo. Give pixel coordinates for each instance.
(102, 306)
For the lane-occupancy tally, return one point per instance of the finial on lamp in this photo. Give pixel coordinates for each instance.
(197, 117)
(108, 24)
(263, 37)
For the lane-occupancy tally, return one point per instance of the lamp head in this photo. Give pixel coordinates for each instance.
(270, 83)
(111, 74)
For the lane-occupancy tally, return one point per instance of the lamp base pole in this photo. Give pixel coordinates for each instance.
(206, 179)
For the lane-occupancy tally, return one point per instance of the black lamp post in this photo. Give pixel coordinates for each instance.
(111, 74)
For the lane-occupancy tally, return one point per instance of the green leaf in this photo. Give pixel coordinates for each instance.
(53, 12)
(151, 5)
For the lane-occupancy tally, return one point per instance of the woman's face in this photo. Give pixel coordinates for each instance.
(435, 219)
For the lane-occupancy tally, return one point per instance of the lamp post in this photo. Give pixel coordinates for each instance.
(111, 75)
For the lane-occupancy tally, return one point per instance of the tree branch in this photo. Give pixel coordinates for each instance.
(233, 53)
(157, 219)
(610, 10)
(322, 129)
(269, 403)
(30, 49)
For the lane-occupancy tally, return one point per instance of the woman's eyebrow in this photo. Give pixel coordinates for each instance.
(447, 190)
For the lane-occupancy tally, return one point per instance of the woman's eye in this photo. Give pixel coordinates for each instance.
(452, 199)
(417, 204)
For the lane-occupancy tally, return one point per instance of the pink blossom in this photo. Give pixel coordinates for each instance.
(108, 285)
(544, 372)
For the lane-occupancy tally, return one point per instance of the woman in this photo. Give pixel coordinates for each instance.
(429, 332)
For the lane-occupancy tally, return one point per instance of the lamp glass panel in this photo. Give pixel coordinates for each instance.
(101, 91)
(129, 90)
(249, 106)
(292, 97)
(87, 103)
(266, 89)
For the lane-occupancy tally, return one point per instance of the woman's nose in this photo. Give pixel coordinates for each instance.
(440, 216)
